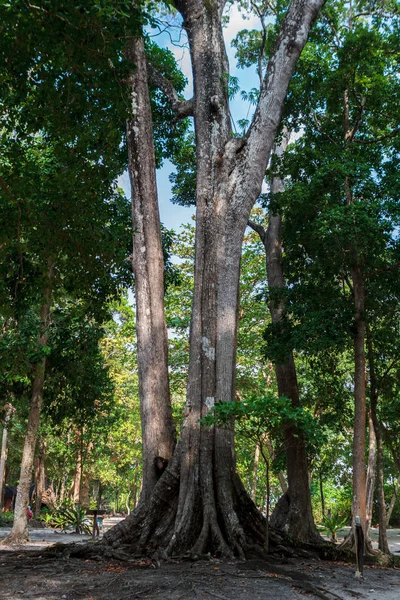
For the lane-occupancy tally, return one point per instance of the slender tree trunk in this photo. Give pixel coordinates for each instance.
(281, 476)
(127, 504)
(358, 290)
(199, 504)
(255, 469)
(61, 495)
(293, 512)
(86, 477)
(321, 492)
(77, 483)
(19, 533)
(9, 411)
(158, 431)
(392, 502)
(85, 491)
(383, 541)
(371, 475)
(40, 480)
(359, 474)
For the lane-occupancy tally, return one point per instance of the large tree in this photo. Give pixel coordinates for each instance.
(199, 503)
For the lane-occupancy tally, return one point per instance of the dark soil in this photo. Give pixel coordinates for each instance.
(32, 575)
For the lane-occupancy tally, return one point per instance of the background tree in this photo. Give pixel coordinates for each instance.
(339, 185)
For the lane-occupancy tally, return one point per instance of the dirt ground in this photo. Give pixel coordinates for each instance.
(35, 575)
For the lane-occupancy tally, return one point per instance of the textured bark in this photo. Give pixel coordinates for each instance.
(85, 491)
(383, 541)
(8, 412)
(255, 470)
(371, 475)
(293, 512)
(158, 432)
(75, 491)
(392, 502)
(359, 474)
(199, 504)
(40, 480)
(19, 532)
(321, 493)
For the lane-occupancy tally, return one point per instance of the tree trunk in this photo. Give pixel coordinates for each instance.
(85, 491)
(358, 291)
(392, 502)
(383, 541)
(255, 469)
(199, 504)
(281, 476)
(19, 532)
(40, 480)
(9, 411)
(61, 494)
(321, 492)
(371, 475)
(158, 431)
(293, 512)
(359, 475)
(77, 483)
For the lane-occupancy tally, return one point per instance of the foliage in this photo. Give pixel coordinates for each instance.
(6, 519)
(332, 524)
(68, 518)
(257, 415)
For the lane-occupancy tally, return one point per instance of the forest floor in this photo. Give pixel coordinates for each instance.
(27, 574)
(31, 573)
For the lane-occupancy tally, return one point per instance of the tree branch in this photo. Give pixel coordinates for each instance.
(261, 134)
(7, 190)
(380, 139)
(258, 229)
(181, 108)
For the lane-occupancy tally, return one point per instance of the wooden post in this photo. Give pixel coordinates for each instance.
(359, 548)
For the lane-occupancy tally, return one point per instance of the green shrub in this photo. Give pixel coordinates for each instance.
(6, 519)
(332, 524)
(68, 518)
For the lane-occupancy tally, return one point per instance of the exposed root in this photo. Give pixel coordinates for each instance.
(317, 591)
(211, 533)
(14, 540)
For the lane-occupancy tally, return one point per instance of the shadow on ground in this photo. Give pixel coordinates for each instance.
(30, 575)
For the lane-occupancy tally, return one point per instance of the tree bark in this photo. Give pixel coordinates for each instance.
(9, 411)
(360, 410)
(321, 492)
(199, 505)
(158, 431)
(293, 513)
(383, 541)
(255, 470)
(371, 475)
(19, 533)
(392, 502)
(359, 475)
(75, 491)
(40, 480)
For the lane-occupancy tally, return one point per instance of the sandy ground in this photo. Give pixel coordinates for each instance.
(40, 538)
(30, 573)
(27, 576)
